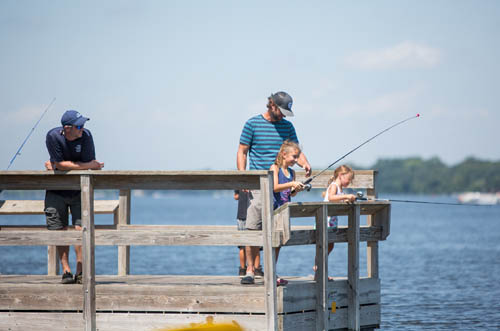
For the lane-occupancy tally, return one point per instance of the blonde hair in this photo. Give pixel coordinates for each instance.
(343, 169)
(285, 147)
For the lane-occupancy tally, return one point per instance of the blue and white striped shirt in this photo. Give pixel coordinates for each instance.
(265, 139)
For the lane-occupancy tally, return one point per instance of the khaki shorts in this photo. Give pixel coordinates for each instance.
(254, 211)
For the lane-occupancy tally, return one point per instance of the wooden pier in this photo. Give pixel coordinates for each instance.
(133, 302)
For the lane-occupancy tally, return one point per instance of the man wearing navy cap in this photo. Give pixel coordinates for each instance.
(70, 147)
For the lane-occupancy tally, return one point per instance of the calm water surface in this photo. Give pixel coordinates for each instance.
(439, 268)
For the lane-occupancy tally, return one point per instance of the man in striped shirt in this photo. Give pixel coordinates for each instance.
(261, 138)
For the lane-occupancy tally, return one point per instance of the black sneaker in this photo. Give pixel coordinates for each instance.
(78, 278)
(242, 272)
(248, 279)
(258, 272)
(67, 278)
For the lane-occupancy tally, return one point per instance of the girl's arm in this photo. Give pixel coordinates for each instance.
(334, 197)
(294, 192)
(281, 187)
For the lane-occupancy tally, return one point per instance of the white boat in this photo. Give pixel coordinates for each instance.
(480, 198)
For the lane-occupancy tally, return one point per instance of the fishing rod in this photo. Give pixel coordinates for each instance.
(361, 197)
(27, 137)
(308, 181)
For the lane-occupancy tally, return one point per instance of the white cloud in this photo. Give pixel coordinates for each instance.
(406, 55)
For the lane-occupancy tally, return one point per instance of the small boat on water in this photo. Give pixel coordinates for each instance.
(480, 198)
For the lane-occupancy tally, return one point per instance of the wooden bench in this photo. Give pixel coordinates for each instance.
(37, 207)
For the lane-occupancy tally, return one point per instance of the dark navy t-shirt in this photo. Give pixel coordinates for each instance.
(60, 149)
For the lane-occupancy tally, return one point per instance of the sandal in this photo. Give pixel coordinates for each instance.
(281, 281)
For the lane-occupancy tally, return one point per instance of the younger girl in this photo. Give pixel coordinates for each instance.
(284, 182)
(342, 177)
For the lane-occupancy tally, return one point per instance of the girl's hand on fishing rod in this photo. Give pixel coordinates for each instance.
(297, 186)
(349, 198)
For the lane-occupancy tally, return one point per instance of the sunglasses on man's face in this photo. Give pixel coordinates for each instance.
(78, 127)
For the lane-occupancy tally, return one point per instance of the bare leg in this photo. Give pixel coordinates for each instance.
(242, 257)
(63, 252)
(252, 252)
(78, 252)
(256, 260)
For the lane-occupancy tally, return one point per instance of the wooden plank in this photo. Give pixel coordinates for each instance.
(122, 321)
(266, 188)
(353, 322)
(304, 235)
(177, 180)
(37, 207)
(369, 317)
(179, 237)
(88, 263)
(322, 269)
(221, 294)
(383, 220)
(124, 219)
(300, 295)
(363, 179)
(308, 209)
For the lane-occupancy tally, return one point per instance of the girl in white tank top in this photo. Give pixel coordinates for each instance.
(341, 178)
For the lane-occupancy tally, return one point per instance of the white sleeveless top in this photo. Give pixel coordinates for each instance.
(339, 191)
(332, 220)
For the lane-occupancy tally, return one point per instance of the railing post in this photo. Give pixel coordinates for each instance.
(88, 243)
(353, 322)
(266, 189)
(372, 246)
(52, 261)
(124, 219)
(321, 276)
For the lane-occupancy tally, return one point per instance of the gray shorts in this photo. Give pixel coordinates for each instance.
(57, 212)
(254, 211)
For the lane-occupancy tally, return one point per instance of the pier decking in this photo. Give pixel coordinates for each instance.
(131, 302)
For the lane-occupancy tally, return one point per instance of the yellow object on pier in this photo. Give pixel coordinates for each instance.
(209, 327)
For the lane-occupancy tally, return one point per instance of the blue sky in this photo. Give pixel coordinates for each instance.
(168, 85)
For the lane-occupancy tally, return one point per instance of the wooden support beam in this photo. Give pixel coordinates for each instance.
(89, 306)
(52, 261)
(321, 276)
(266, 189)
(353, 268)
(124, 219)
(372, 246)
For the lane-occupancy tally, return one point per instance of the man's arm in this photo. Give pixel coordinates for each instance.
(241, 157)
(70, 165)
(302, 162)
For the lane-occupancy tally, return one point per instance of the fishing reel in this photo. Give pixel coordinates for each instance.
(360, 196)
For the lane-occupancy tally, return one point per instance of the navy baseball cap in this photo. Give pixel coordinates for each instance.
(284, 101)
(72, 117)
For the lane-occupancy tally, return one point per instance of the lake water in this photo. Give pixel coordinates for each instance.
(439, 268)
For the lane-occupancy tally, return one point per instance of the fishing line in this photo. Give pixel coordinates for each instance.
(308, 181)
(361, 197)
(27, 137)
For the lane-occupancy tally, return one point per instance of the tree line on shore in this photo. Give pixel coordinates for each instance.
(432, 176)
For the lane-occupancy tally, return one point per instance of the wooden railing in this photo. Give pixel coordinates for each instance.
(274, 233)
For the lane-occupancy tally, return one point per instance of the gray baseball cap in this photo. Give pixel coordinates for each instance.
(284, 101)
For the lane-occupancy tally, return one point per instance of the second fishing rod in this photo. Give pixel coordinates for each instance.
(307, 183)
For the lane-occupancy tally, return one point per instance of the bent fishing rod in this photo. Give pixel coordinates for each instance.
(308, 181)
(29, 134)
